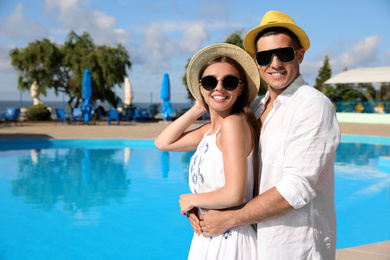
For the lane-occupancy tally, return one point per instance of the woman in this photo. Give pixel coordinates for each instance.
(224, 80)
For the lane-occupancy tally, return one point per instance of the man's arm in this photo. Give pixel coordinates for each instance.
(264, 207)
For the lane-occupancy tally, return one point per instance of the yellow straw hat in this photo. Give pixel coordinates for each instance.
(275, 19)
(222, 49)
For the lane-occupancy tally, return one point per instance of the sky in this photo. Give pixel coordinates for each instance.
(161, 36)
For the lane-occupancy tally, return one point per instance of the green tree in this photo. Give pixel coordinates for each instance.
(384, 92)
(339, 89)
(62, 67)
(236, 39)
(324, 73)
(184, 80)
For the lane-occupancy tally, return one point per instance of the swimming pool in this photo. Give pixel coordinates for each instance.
(118, 199)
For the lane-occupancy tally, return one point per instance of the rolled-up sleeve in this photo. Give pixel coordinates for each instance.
(313, 137)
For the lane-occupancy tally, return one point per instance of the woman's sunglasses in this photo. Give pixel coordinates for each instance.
(264, 58)
(229, 82)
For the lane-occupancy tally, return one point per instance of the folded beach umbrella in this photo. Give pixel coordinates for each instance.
(165, 94)
(87, 96)
(34, 93)
(129, 95)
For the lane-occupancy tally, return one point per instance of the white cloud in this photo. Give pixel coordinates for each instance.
(156, 67)
(193, 37)
(5, 59)
(67, 9)
(387, 54)
(362, 53)
(157, 43)
(136, 56)
(17, 15)
(309, 70)
(99, 25)
(214, 10)
(16, 26)
(176, 26)
(160, 46)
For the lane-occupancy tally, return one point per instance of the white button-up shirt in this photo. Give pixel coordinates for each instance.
(298, 144)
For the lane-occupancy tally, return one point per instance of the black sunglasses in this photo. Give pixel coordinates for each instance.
(284, 54)
(229, 82)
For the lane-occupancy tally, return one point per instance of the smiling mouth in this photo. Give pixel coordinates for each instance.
(277, 73)
(219, 97)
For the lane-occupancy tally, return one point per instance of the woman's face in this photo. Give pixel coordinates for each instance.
(219, 99)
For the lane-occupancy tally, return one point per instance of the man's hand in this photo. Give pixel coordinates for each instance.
(215, 222)
(194, 221)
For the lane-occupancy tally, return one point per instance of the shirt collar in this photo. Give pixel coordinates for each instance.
(288, 92)
(291, 89)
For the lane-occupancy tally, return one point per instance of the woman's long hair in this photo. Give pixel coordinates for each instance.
(242, 108)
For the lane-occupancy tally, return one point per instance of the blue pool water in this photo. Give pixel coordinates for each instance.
(118, 199)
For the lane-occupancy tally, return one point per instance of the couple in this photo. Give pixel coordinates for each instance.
(293, 208)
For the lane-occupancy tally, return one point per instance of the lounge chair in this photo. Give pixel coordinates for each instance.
(2, 118)
(101, 114)
(12, 114)
(113, 114)
(77, 115)
(60, 113)
(128, 116)
(141, 114)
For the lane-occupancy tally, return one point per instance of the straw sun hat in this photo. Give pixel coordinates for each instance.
(275, 19)
(222, 49)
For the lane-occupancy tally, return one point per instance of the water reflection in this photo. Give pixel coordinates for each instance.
(186, 159)
(164, 158)
(355, 161)
(77, 178)
(360, 154)
(86, 167)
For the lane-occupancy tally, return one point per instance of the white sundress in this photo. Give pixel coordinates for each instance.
(206, 174)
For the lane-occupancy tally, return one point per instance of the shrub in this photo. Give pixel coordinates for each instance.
(97, 112)
(38, 113)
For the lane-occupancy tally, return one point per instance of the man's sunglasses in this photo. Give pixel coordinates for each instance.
(264, 58)
(229, 82)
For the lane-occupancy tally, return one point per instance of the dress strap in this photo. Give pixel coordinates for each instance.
(216, 132)
(219, 127)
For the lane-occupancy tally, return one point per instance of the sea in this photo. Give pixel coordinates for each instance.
(4, 104)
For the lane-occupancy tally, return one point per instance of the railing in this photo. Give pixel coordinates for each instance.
(362, 107)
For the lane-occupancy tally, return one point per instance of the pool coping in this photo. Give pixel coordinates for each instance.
(74, 143)
(366, 139)
(137, 143)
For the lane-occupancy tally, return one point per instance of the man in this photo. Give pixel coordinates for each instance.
(295, 211)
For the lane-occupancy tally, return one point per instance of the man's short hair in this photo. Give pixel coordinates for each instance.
(276, 31)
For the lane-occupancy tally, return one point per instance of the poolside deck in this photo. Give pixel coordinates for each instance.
(131, 130)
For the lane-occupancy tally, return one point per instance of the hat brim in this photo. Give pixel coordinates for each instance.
(222, 49)
(249, 39)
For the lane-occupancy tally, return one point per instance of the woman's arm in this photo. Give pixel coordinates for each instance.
(235, 145)
(174, 139)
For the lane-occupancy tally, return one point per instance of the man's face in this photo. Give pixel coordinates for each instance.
(278, 74)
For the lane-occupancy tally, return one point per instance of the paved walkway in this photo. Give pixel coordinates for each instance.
(131, 130)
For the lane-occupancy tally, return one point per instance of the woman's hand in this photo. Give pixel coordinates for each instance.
(185, 203)
(200, 108)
